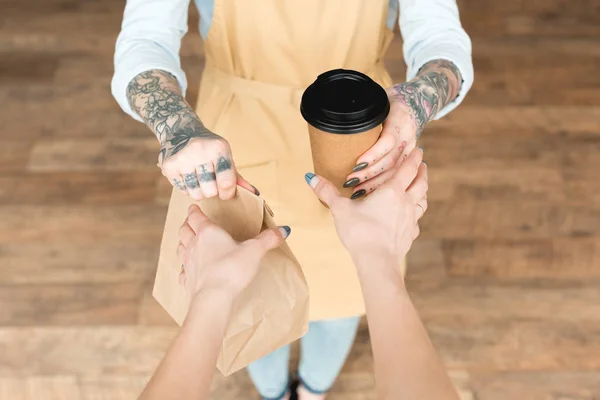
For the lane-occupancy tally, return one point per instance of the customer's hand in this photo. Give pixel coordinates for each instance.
(386, 222)
(212, 261)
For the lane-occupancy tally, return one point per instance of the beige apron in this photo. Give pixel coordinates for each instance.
(260, 55)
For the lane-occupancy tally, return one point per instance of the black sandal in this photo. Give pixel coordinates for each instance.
(294, 390)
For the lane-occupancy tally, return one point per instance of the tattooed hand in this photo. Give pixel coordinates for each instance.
(195, 160)
(412, 105)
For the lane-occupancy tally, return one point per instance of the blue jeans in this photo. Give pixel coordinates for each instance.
(323, 352)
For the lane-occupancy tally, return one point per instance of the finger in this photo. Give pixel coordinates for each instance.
(407, 171)
(372, 184)
(196, 219)
(384, 145)
(192, 185)
(384, 164)
(417, 231)
(419, 186)
(247, 185)
(266, 240)
(186, 233)
(181, 253)
(325, 190)
(226, 176)
(421, 207)
(179, 183)
(208, 179)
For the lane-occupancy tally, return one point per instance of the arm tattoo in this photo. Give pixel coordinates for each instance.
(155, 95)
(436, 85)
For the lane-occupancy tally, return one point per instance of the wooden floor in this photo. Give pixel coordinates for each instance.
(505, 274)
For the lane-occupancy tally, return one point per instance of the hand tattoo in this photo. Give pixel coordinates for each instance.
(206, 175)
(155, 95)
(436, 85)
(179, 184)
(191, 181)
(223, 164)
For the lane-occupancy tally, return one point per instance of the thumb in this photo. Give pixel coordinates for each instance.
(325, 190)
(267, 240)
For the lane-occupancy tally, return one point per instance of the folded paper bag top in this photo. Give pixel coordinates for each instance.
(271, 312)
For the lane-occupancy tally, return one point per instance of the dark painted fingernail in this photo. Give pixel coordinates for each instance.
(421, 149)
(359, 194)
(256, 191)
(360, 167)
(351, 183)
(285, 230)
(424, 162)
(308, 177)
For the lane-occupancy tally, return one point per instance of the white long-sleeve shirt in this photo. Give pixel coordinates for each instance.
(152, 30)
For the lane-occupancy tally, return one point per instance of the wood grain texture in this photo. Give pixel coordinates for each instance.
(78, 304)
(86, 351)
(505, 273)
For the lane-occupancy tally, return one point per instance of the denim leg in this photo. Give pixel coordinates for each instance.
(270, 374)
(324, 351)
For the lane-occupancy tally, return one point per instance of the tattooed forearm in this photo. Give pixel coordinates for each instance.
(436, 85)
(155, 95)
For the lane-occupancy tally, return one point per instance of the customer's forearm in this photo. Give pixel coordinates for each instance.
(156, 96)
(436, 85)
(406, 363)
(187, 370)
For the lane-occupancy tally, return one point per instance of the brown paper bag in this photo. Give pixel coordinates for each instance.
(271, 312)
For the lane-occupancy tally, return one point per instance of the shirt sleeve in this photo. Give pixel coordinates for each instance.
(150, 38)
(431, 29)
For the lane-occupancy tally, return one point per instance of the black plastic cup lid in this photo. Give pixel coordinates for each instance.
(344, 101)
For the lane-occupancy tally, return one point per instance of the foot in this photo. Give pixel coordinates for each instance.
(304, 394)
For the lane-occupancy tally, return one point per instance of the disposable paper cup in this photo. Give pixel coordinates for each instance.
(344, 110)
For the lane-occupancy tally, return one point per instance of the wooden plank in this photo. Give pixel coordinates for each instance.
(69, 110)
(536, 385)
(98, 350)
(582, 183)
(530, 18)
(77, 187)
(559, 258)
(485, 121)
(536, 301)
(96, 261)
(516, 220)
(81, 225)
(483, 325)
(24, 67)
(514, 149)
(449, 183)
(40, 387)
(70, 304)
(106, 154)
(111, 388)
(16, 154)
(425, 261)
(61, 262)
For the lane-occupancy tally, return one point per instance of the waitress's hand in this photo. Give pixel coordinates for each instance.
(212, 261)
(199, 163)
(386, 223)
(194, 159)
(412, 105)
